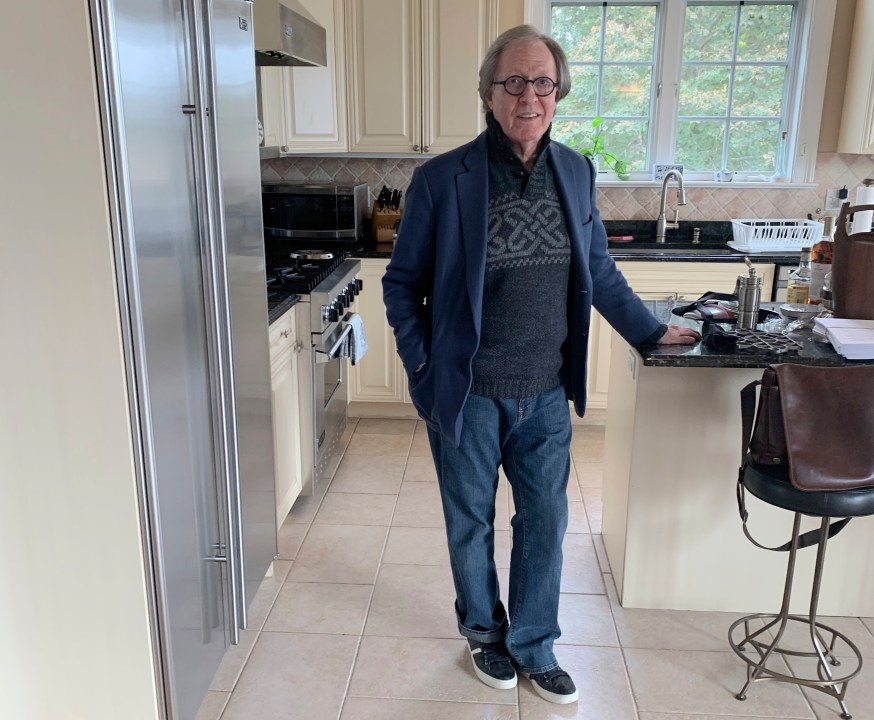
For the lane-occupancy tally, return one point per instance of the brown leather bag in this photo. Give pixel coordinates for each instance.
(817, 421)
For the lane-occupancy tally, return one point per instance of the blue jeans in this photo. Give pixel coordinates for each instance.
(531, 439)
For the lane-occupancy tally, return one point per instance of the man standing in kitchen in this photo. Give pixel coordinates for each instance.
(499, 259)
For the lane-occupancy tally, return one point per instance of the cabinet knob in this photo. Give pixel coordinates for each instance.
(415, 148)
(284, 333)
(426, 148)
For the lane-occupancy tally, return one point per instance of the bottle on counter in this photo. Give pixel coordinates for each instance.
(827, 297)
(798, 288)
(821, 260)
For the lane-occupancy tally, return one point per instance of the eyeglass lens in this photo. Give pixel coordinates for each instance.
(515, 85)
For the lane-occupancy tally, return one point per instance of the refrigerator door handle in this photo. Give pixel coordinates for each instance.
(218, 323)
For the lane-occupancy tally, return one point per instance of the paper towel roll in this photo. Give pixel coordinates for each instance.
(862, 220)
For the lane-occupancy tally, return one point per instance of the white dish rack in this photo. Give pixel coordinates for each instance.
(770, 236)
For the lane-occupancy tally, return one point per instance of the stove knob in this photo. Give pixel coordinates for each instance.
(359, 285)
(333, 314)
(342, 300)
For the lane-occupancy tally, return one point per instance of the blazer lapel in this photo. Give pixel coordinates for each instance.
(568, 186)
(472, 187)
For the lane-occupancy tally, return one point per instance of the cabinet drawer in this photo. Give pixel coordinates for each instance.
(282, 335)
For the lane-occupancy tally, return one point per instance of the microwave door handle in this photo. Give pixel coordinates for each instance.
(323, 356)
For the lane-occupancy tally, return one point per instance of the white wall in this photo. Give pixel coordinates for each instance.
(74, 634)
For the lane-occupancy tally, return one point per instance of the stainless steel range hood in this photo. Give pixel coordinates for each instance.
(286, 34)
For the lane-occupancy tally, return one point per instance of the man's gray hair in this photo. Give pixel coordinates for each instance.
(521, 33)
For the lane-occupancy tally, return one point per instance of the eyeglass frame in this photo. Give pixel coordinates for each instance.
(526, 81)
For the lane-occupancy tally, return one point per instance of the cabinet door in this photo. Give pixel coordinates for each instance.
(314, 108)
(271, 104)
(384, 75)
(455, 37)
(379, 377)
(306, 416)
(857, 119)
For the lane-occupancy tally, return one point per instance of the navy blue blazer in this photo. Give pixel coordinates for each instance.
(433, 286)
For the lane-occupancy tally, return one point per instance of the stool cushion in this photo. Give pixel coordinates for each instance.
(772, 485)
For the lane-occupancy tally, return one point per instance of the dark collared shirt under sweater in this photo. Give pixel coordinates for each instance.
(524, 318)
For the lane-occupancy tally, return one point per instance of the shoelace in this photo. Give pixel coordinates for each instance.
(550, 676)
(491, 654)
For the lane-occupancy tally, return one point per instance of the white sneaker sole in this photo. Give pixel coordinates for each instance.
(495, 683)
(555, 697)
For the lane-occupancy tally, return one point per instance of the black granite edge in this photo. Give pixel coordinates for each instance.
(370, 254)
(277, 309)
(660, 256)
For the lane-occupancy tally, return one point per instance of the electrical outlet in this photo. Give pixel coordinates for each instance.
(832, 202)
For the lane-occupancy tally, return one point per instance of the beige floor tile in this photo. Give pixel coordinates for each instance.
(320, 608)
(379, 444)
(368, 474)
(286, 677)
(592, 501)
(385, 426)
(587, 444)
(340, 508)
(420, 669)
(503, 503)
(670, 629)
(860, 692)
(212, 706)
(601, 681)
(420, 469)
(603, 561)
(797, 635)
(573, 487)
(233, 662)
(577, 521)
(289, 539)
(586, 620)
(687, 716)
(416, 546)
(589, 474)
(267, 592)
(413, 601)
(418, 505)
(304, 509)
(580, 573)
(869, 623)
(339, 554)
(387, 709)
(420, 447)
(705, 683)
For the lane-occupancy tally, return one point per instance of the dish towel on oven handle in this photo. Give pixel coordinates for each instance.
(357, 341)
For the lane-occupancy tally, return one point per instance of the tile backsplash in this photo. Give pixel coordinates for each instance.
(616, 203)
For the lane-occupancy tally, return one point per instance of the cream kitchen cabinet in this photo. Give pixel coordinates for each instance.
(291, 389)
(857, 119)
(661, 281)
(380, 376)
(303, 109)
(413, 72)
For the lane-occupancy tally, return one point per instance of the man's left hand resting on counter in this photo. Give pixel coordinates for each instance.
(677, 335)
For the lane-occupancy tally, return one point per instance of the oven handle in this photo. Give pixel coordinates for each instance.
(323, 356)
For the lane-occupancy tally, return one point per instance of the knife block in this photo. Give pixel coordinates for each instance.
(385, 223)
(853, 269)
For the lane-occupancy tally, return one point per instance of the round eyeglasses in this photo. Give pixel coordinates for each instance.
(515, 85)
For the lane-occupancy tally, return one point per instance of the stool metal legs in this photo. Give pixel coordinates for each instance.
(823, 651)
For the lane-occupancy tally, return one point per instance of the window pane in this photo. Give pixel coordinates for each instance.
(627, 140)
(704, 89)
(758, 91)
(699, 144)
(573, 133)
(583, 97)
(578, 31)
(752, 145)
(764, 33)
(626, 90)
(709, 32)
(629, 33)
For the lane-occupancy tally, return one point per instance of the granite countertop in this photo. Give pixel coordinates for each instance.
(807, 352)
(278, 304)
(679, 246)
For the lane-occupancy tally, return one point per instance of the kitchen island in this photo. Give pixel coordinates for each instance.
(670, 521)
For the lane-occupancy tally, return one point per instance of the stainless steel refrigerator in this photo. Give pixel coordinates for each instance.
(176, 83)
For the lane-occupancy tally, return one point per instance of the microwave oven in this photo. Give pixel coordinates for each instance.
(314, 211)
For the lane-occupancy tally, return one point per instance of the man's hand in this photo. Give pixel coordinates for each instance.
(678, 335)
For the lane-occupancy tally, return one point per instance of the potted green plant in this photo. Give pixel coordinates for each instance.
(593, 148)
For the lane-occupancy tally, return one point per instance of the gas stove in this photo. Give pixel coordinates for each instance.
(297, 272)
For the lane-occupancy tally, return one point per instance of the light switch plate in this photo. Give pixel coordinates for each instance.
(659, 171)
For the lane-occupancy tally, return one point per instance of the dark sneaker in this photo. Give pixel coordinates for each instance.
(492, 664)
(554, 685)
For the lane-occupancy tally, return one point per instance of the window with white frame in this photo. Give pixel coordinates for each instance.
(708, 84)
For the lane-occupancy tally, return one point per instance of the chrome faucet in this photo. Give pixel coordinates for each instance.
(662, 223)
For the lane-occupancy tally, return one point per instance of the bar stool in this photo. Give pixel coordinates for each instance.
(773, 487)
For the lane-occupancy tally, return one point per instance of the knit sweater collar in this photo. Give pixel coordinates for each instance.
(501, 149)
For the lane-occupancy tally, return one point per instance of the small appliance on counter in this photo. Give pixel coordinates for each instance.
(317, 215)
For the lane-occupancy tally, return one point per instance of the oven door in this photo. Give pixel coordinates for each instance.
(330, 395)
